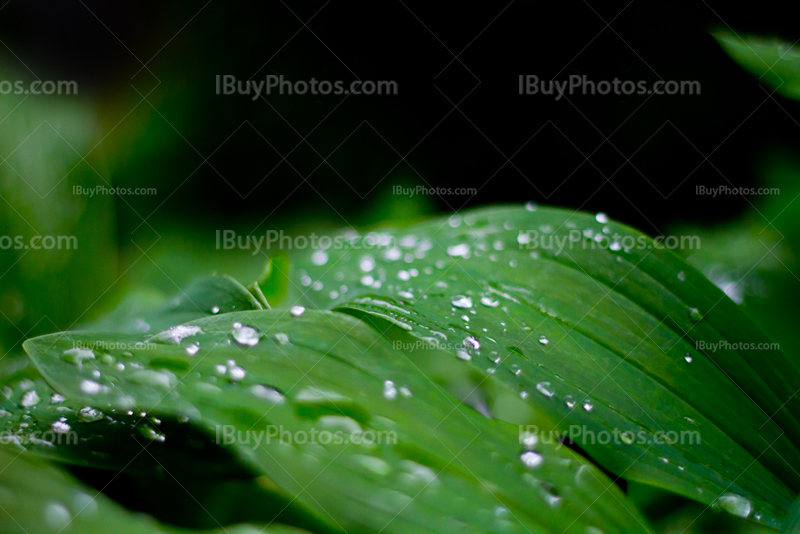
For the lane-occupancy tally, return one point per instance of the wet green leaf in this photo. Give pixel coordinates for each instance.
(599, 326)
(346, 426)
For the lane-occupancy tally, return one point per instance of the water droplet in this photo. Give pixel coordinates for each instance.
(688, 358)
(56, 399)
(682, 276)
(296, 311)
(236, 373)
(601, 217)
(152, 434)
(486, 301)
(626, 437)
(531, 459)
(461, 354)
(281, 338)
(215, 310)
(461, 301)
(267, 393)
(735, 504)
(587, 405)
(320, 257)
(695, 315)
(174, 335)
(77, 356)
(530, 206)
(461, 250)
(366, 263)
(545, 389)
(245, 335)
(543, 340)
(89, 415)
(57, 516)
(90, 387)
(192, 349)
(569, 401)
(30, 398)
(528, 439)
(405, 391)
(389, 391)
(471, 343)
(515, 369)
(60, 427)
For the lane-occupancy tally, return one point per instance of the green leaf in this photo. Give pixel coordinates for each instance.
(36, 420)
(602, 328)
(774, 62)
(35, 497)
(144, 312)
(398, 454)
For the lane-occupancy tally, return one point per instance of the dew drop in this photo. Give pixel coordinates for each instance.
(569, 401)
(267, 393)
(688, 358)
(587, 405)
(151, 434)
(735, 504)
(545, 389)
(246, 335)
(461, 301)
(601, 217)
(192, 349)
(30, 398)
(543, 340)
(296, 311)
(695, 315)
(461, 354)
(89, 415)
(531, 459)
(490, 303)
(682, 276)
(472, 343)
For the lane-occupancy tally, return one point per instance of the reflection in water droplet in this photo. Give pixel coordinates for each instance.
(601, 217)
(688, 358)
(531, 459)
(587, 405)
(236, 373)
(296, 311)
(543, 340)
(215, 310)
(569, 401)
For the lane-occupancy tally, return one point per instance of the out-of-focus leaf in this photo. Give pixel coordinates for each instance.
(596, 325)
(774, 62)
(208, 295)
(35, 497)
(394, 453)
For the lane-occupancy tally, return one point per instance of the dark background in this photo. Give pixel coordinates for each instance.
(147, 116)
